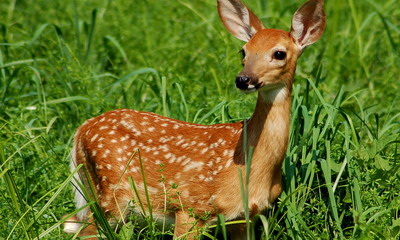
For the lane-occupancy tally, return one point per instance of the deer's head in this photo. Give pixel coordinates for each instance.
(270, 55)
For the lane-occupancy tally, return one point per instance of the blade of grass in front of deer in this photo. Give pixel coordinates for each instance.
(59, 223)
(146, 190)
(121, 212)
(244, 199)
(221, 222)
(89, 193)
(265, 225)
(133, 186)
(244, 186)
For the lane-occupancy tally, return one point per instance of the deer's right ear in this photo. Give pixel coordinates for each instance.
(308, 23)
(238, 19)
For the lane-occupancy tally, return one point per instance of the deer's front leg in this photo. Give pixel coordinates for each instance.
(237, 231)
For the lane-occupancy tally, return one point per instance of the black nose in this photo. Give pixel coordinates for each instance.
(242, 82)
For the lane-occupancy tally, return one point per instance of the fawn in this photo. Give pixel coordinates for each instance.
(199, 162)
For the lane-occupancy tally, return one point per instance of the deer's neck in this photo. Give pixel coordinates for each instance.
(268, 133)
(268, 128)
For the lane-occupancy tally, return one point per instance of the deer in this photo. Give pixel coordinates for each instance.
(189, 169)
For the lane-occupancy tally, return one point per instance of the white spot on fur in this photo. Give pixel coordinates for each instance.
(179, 142)
(185, 145)
(103, 127)
(228, 163)
(106, 153)
(179, 159)
(163, 148)
(188, 160)
(134, 169)
(194, 165)
(204, 150)
(94, 137)
(209, 179)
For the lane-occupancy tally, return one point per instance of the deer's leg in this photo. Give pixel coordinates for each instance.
(113, 213)
(73, 225)
(237, 232)
(186, 226)
(89, 230)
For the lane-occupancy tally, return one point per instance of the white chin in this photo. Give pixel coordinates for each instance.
(250, 89)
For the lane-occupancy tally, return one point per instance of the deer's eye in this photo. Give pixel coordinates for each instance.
(279, 55)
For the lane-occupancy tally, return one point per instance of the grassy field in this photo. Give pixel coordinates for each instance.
(62, 62)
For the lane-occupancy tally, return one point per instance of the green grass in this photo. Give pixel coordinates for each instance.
(62, 62)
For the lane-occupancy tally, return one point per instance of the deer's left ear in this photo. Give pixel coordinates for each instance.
(308, 23)
(238, 19)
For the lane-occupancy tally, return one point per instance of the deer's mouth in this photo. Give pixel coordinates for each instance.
(249, 88)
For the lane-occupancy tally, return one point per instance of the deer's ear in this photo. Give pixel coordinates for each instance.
(308, 23)
(238, 19)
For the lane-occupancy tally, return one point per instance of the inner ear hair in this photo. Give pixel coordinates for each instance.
(308, 23)
(240, 21)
